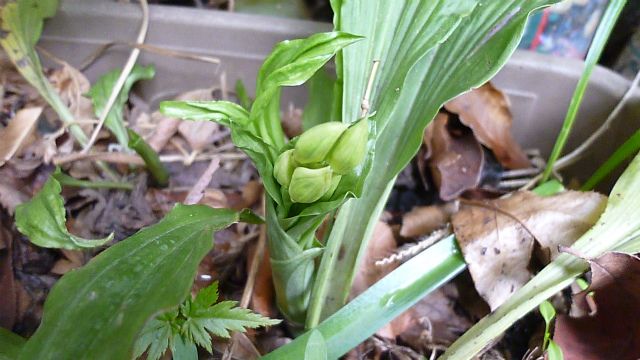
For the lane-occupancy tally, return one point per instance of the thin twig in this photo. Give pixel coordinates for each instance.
(580, 151)
(365, 106)
(197, 191)
(131, 61)
(148, 48)
(134, 159)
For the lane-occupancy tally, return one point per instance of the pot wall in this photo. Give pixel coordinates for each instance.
(539, 87)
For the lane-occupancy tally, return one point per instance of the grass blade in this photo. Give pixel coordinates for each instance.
(625, 151)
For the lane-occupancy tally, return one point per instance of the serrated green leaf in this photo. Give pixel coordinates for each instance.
(10, 344)
(155, 337)
(207, 296)
(224, 316)
(183, 350)
(101, 91)
(20, 29)
(96, 312)
(554, 352)
(43, 220)
(195, 331)
(319, 108)
(316, 348)
(547, 311)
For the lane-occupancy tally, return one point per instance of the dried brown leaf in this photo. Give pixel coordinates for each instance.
(72, 260)
(498, 248)
(486, 111)
(9, 299)
(614, 331)
(456, 158)
(71, 84)
(197, 191)
(14, 136)
(423, 220)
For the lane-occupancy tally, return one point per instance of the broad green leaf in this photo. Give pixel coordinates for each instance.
(101, 91)
(10, 344)
(291, 63)
(20, 30)
(547, 311)
(554, 352)
(319, 108)
(618, 229)
(316, 348)
(243, 95)
(430, 52)
(222, 112)
(381, 303)
(97, 312)
(43, 220)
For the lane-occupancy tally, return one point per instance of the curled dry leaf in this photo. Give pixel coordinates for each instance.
(614, 331)
(72, 260)
(486, 111)
(498, 248)
(72, 85)
(15, 135)
(456, 158)
(423, 220)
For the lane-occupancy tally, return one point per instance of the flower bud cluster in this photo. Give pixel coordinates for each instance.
(312, 170)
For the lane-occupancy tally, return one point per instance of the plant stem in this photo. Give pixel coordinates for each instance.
(67, 180)
(381, 303)
(150, 157)
(626, 150)
(599, 41)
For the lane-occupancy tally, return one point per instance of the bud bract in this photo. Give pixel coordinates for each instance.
(283, 169)
(350, 149)
(309, 185)
(314, 145)
(335, 181)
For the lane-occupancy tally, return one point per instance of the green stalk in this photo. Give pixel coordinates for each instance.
(595, 51)
(381, 303)
(150, 157)
(67, 180)
(625, 151)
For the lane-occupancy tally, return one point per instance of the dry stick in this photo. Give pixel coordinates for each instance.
(197, 191)
(365, 105)
(576, 154)
(134, 159)
(149, 48)
(131, 61)
(247, 293)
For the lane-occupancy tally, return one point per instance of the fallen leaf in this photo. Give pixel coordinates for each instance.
(197, 191)
(614, 331)
(498, 248)
(423, 220)
(72, 260)
(263, 300)
(13, 137)
(486, 111)
(456, 157)
(72, 85)
(9, 298)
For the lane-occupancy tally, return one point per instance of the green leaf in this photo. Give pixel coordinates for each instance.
(547, 311)
(554, 352)
(451, 47)
(625, 151)
(316, 348)
(291, 63)
(618, 229)
(381, 303)
(319, 108)
(96, 312)
(20, 29)
(243, 95)
(156, 336)
(222, 112)
(225, 316)
(183, 350)
(10, 344)
(101, 91)
(207, 296)
(43, 220)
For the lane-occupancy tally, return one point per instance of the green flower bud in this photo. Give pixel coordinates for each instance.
(315, 143)
(350, 149)
(283, 169)
(309, 185)
(335, 181)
